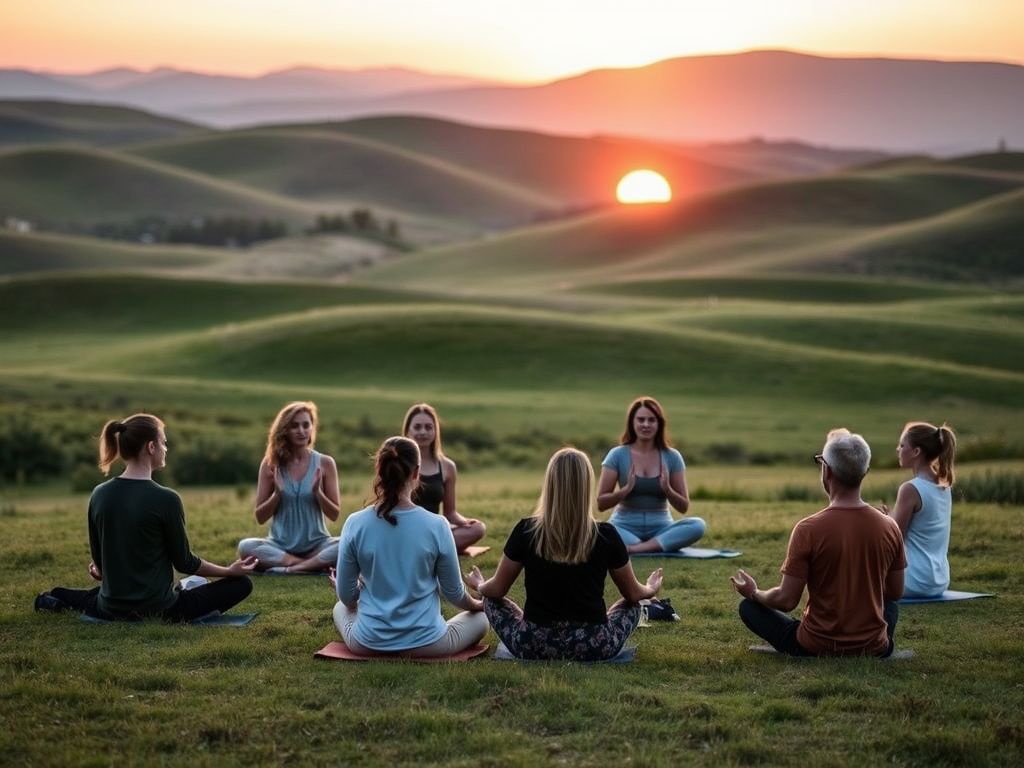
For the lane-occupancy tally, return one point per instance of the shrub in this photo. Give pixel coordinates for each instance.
(991, 488)
(26, 452)
(204, 462)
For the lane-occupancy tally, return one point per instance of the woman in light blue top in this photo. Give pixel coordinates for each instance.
(298, 492)
(924, 506)
(650, 475)
(393, 560)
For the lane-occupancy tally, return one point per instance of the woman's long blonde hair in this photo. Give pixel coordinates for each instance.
(563, 522)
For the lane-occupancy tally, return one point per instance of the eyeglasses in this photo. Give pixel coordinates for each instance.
(820, 460)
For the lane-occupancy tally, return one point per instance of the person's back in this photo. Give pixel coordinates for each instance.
(402, 567)
(393, 558)
(139, 529)
(845, 555)
(850, 559)
(566, 591)
(927, 540)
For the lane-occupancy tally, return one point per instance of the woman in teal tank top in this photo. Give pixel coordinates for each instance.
(297, 492)
(438, 474)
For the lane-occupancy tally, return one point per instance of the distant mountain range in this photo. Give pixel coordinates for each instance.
(890, 105)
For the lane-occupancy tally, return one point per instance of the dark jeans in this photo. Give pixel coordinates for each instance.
(219, 595)
(779, 628)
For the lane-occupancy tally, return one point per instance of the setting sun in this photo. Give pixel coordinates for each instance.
(643, 186)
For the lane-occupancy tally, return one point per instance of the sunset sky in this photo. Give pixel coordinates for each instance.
(511, 40)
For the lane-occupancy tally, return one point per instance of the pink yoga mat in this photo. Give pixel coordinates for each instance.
(339, 651)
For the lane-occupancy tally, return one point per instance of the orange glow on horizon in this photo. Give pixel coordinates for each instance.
(643, 186)
(531, 41)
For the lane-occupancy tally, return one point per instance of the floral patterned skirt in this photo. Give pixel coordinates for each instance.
(569, 640)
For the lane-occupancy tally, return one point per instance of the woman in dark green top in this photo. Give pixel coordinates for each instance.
(137, 540)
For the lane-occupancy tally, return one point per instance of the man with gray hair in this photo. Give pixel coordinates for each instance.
(851, 559)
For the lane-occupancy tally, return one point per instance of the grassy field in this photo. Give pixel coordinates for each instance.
(75, 694)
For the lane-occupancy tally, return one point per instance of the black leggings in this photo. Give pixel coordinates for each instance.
(779, 628)
(220, 595)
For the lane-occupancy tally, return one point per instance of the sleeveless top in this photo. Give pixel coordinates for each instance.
(927, 540)
(298, 525)
(646, 495)
(430, 492)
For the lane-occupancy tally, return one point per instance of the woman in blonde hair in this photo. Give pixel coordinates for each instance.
(137, 540)
(924, 506)
(438, 474)
(566, 554)
(297, 491)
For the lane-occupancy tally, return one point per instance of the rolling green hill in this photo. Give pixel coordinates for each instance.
(341, 171)
(916, 220)
(60, 186)
(575, 171)
(40, 252)
(24, 123)
(762, 372)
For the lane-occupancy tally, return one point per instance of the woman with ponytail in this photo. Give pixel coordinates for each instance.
(393, 560)
(137, 540)
(923, 508)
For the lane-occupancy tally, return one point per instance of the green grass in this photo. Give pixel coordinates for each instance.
(694, 696)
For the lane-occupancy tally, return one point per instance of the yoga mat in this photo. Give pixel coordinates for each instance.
(694, 552)
(899, 653)
(212, 619)
(474, 551)
(278, 570)
(950, 595)
(627, 654)
(337, 650)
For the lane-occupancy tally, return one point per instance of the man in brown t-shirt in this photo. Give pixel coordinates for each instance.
(849, 556)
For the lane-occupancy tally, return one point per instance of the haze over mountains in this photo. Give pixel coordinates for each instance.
(890, 105)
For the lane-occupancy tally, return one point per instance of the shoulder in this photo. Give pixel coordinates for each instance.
(616, 454)
(608, 532)
(673, 458)
(524, 527)
(166, 495)
(448, 468)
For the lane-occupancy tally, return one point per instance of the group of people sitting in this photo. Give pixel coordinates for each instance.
(395, 556)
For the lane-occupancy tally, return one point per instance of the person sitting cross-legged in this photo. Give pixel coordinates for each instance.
(849, 557)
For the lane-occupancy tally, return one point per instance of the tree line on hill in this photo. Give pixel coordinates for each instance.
(226, 230)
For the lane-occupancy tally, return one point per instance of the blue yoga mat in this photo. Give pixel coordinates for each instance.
(950, 595)
(697, 553)
(628, 653)
(214, 619)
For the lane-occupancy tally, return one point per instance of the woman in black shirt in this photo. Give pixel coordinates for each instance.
(566, 554)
